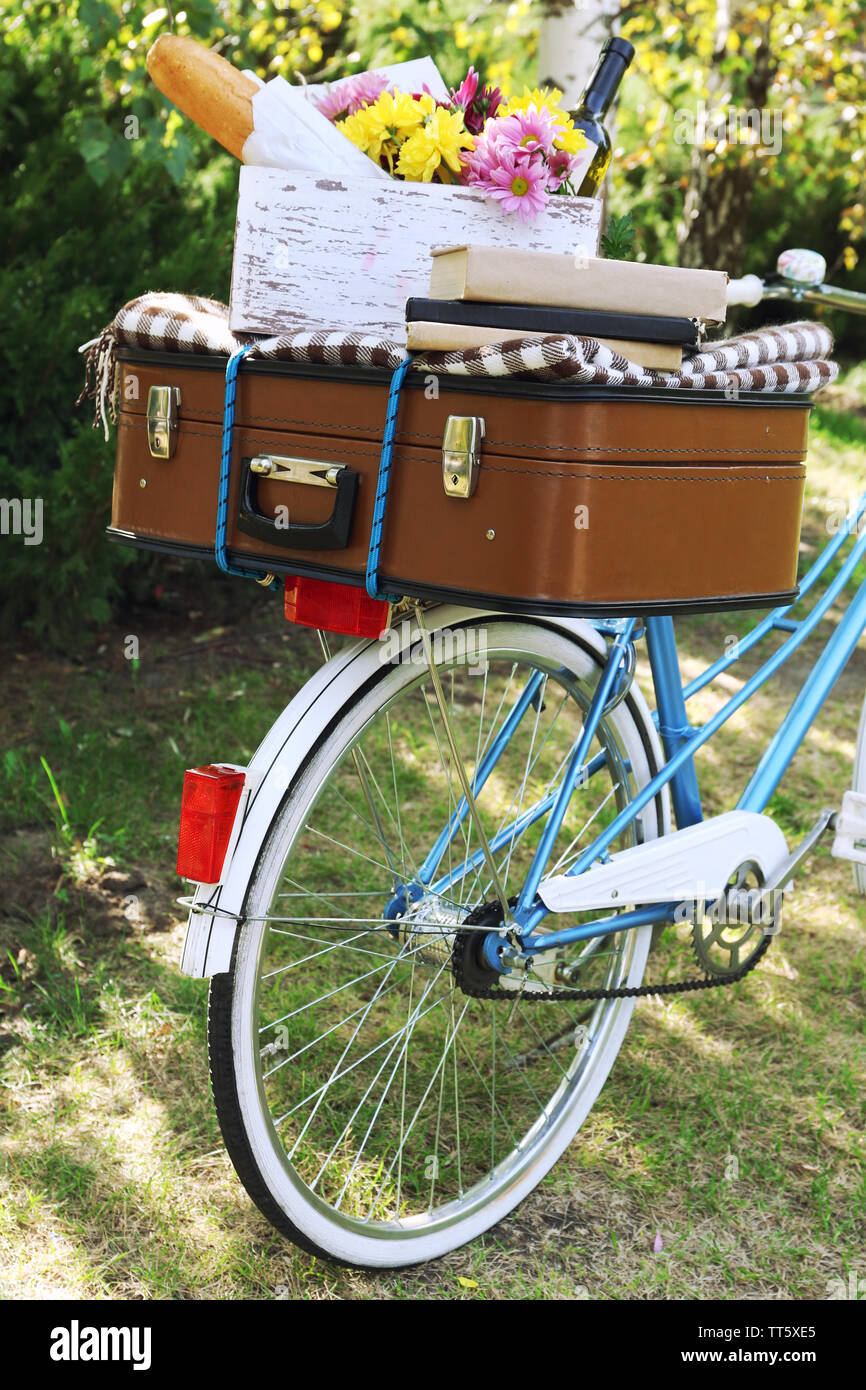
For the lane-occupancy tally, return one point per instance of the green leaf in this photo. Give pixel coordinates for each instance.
(99, 170)
(118, 155)
(95, 139)
(178, 157)
(93, 14)
(618, 240)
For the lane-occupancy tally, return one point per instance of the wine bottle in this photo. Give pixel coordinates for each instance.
(590, 112)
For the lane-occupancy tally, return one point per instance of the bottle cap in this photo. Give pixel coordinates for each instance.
(620, 46)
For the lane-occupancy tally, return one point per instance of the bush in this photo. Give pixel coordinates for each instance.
(77, 249)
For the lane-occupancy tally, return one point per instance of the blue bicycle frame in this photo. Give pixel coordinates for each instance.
(680, 741)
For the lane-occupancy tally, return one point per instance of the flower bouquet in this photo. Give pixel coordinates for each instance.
(518, 151)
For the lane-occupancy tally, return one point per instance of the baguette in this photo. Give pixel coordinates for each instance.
(204, 87)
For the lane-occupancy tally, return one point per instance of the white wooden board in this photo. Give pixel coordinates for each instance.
(313, 252)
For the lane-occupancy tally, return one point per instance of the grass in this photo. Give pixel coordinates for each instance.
(730, 1132)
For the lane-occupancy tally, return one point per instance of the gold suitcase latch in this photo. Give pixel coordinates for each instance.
(163, 404)
(461, 454)
(295, 470)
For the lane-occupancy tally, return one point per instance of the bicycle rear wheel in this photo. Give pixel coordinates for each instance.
(377, 1113)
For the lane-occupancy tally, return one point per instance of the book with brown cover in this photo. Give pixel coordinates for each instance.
(428, 336)
(501, 275)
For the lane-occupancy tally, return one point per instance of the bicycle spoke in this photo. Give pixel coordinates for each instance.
(349, 849)
(439, 1065)
(567, 857)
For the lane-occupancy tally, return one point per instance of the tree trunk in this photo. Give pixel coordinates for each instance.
(712, 231)
(569, 41)
(570, 38)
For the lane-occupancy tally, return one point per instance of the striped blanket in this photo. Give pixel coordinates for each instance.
(791, 358)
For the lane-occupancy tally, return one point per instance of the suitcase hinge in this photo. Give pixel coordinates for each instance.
(461, 454)
(163, 404)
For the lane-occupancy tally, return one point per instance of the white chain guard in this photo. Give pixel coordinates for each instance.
(689, 865)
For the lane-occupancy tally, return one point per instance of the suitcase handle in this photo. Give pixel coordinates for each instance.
(332, 534)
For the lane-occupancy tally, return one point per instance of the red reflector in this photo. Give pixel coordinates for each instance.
(210, 800)
(334, 607)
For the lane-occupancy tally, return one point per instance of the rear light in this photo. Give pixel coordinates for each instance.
(334, 607)
(207, 814)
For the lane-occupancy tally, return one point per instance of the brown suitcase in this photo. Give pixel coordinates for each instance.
(576, 500)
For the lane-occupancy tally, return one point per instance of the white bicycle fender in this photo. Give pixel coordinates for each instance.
(217, 908)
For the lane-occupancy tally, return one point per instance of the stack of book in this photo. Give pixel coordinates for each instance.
(488, 294)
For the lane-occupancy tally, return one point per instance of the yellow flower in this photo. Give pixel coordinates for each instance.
(571, 140)
(355, 130)
(380, 128)
(539, 96)
(394, 116)
(438, 142)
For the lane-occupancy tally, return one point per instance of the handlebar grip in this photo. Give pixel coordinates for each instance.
(748, 290)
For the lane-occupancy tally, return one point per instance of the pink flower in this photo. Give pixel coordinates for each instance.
(519, 183)
(484, 158)
(485, 104)
(560, 165)
(532, 129)
(346, 97)
(467, 91)
(476, 103)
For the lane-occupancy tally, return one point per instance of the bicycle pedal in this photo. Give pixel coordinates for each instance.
(850, 840)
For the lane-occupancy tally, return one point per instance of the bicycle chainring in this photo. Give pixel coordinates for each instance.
(727, 940)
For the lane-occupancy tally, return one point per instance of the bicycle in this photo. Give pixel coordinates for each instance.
(402, 1038)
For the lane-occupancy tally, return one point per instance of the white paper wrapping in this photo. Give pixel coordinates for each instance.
(290, 133)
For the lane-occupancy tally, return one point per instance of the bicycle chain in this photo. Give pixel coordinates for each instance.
(577, 995)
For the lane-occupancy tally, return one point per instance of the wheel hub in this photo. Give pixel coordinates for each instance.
(428, 930)
(474, 971)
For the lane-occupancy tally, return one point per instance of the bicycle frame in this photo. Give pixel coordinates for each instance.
(680, 739)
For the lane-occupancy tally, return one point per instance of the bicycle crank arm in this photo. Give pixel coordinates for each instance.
(779, 881)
